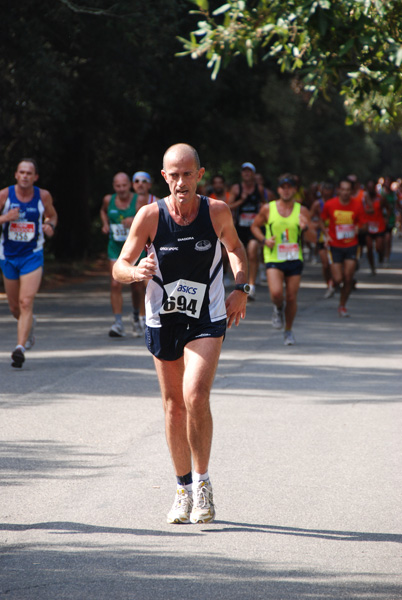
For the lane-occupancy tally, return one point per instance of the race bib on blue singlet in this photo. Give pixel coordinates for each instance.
(21, 231)
(184, 296)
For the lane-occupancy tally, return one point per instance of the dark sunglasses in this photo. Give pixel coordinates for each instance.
(141, 181)
(287, 180)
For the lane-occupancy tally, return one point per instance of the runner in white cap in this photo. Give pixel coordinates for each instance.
(142, 183)
(245, 201)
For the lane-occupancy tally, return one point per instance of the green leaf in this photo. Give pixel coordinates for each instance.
(202, 4)
(346, 47)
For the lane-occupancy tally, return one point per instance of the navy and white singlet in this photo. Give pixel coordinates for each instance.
(188, 284)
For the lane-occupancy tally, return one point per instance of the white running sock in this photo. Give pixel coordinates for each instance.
(200, 477)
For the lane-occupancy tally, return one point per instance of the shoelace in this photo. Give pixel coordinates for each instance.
(182, 500)
(203, 497)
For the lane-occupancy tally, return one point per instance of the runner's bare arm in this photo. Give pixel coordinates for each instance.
(315, 210)
(234, 192)
(259, 222)
(223, 224)
(50, 222)
(324, 227)
(12, 214)
(103, 213)
(308, 228)
(142, 232)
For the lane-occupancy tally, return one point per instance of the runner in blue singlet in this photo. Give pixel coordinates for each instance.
(27, 214)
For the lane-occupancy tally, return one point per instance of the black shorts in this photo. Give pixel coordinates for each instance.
(167, 342)
(245, 235)
(374, 236)
(338, 255)
(288, 267)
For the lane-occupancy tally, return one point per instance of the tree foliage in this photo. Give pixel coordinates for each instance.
(93, 87)
(355, 45)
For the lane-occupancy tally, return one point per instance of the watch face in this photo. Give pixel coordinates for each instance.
(243, 287)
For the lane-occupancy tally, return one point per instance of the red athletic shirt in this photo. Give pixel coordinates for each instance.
(227, 195)
(359, 196)
(375, 220)
(342, 221)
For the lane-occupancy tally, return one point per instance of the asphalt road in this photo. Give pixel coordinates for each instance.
(306, 462)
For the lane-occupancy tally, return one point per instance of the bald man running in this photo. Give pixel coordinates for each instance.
(117, 213)
(186, 315)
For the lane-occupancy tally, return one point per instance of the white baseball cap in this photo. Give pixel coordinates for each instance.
(248, 165)
(142, 175)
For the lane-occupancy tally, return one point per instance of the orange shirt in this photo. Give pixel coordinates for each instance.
(226, 199)
(359, 196)
(375, 220)
(343, 220)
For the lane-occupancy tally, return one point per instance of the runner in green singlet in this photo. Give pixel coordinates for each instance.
(117, 213)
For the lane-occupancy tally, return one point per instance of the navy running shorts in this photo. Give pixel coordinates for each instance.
(167, 342)
(338, 255)
(288, 267)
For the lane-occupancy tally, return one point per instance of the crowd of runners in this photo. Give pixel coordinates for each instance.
(281, 227)
(175, 254)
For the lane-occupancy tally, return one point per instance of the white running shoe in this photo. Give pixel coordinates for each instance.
(251, 295)
(203, 508)
(181, 509)
(137, 331)
(117, 330)
(277, 318)
(330, 292)
(31, 337)
(289, 339)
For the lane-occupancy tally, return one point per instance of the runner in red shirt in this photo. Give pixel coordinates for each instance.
(219, 190)
(343, 215)
(375, 226)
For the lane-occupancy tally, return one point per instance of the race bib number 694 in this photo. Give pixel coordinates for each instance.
(184, 296)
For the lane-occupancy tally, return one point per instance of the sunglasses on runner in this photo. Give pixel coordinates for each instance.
(141, 181)
(287, 180)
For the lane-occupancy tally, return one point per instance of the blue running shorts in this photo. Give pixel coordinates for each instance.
(16, 266)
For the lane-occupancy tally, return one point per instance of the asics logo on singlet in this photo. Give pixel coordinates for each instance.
(203, 245)
(164, 248)
(185, 239)
(187, 289)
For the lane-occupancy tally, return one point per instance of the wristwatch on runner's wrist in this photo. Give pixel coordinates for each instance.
(243, 287)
